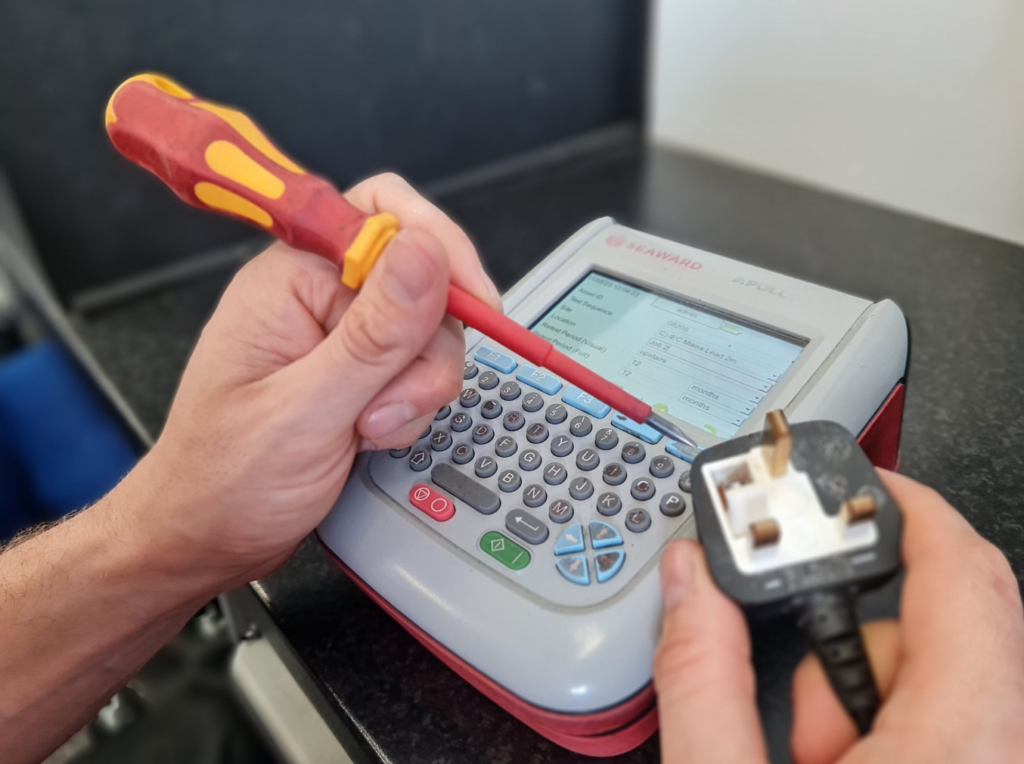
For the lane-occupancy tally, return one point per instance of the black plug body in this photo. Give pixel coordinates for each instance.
(796, 521)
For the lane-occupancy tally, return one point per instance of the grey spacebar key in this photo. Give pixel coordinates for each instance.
(461, 487)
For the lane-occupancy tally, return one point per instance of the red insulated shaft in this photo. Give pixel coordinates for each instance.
(540, 352)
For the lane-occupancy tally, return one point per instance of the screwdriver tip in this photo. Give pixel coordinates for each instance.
(670, 430)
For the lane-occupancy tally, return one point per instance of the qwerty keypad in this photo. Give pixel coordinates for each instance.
(552, 464)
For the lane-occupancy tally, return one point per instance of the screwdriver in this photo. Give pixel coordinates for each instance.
(215, 158)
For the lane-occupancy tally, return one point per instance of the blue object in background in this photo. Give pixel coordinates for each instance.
(60, 449)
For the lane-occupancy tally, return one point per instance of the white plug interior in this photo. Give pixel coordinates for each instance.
(744, 492)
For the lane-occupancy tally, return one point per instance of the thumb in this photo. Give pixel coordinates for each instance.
(387, 325)
(702, 670)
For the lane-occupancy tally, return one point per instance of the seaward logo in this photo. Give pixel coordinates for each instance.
(616, 240)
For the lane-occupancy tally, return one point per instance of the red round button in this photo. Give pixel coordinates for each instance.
(430, 502)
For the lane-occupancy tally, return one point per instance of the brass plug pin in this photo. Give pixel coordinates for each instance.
(778, 443)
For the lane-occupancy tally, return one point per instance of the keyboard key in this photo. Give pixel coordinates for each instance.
(509, 481)
(533, 402)
(637, 520)
(431, 503)
(488, 380)
(479, 497)
(534, 495)
(440, 440)
(686, 453)
(580, 426)
(398, 453)
(510, 391)
(491, 409)
(607, 564)
(684, 482)
(672, 505)
(514, 420)
(505, 550)
(425, 433)
(609, 504)
(505, 446)
(585, 402)
(420, 459)
(461, 421)
(642, 489)
(560, 511)
(442, 413)
(614, 474)
(469, 397)
(463, 453)
(602, 535)
(645, 432)
(483, 434)
(606, 439)
(494, 358)
(485, 467)
(561, 445)
(555, 474)
(556, 413)
(587, 459)
(581, 488)
(506, 364)
(574, 569)
(662, 466)
(570, 541)
(633, 453)
(536, 433)
(527, 527)
(542, 380)
(529, 460)
(470, 370)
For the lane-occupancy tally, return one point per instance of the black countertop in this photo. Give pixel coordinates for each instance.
(962, 293)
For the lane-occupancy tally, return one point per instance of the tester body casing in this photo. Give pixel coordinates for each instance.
(574, 662)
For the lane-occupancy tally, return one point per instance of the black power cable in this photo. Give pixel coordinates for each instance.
(829, 619)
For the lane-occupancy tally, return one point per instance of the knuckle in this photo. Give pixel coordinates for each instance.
(391, 179)
(365, 335)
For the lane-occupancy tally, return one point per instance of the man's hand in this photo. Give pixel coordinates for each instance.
(291, 375)
(951, 670)
(295, 373)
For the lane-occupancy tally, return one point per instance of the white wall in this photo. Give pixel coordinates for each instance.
(915, 104)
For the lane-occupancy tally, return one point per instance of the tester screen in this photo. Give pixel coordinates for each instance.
(691, 364)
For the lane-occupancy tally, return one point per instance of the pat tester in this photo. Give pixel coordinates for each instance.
(518, 539)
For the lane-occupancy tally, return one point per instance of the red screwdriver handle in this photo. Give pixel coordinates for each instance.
(214, 157)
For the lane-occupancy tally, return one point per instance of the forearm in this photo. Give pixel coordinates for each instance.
(82, 607)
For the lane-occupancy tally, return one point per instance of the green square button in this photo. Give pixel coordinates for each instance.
(505, 550)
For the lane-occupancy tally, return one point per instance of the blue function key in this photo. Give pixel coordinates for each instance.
(585, 402)
(685, 453)
(645, 432)
(607, 564)
(539, 379)
(571, 540)
(574, 569)
(488, 356)
(603, 535)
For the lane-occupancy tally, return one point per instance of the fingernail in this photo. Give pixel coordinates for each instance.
(676, 575)
(410, 272)
(388, 419)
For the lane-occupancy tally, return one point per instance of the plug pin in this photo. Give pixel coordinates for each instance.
(778, 443)
(765, 532)
(857, 509)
